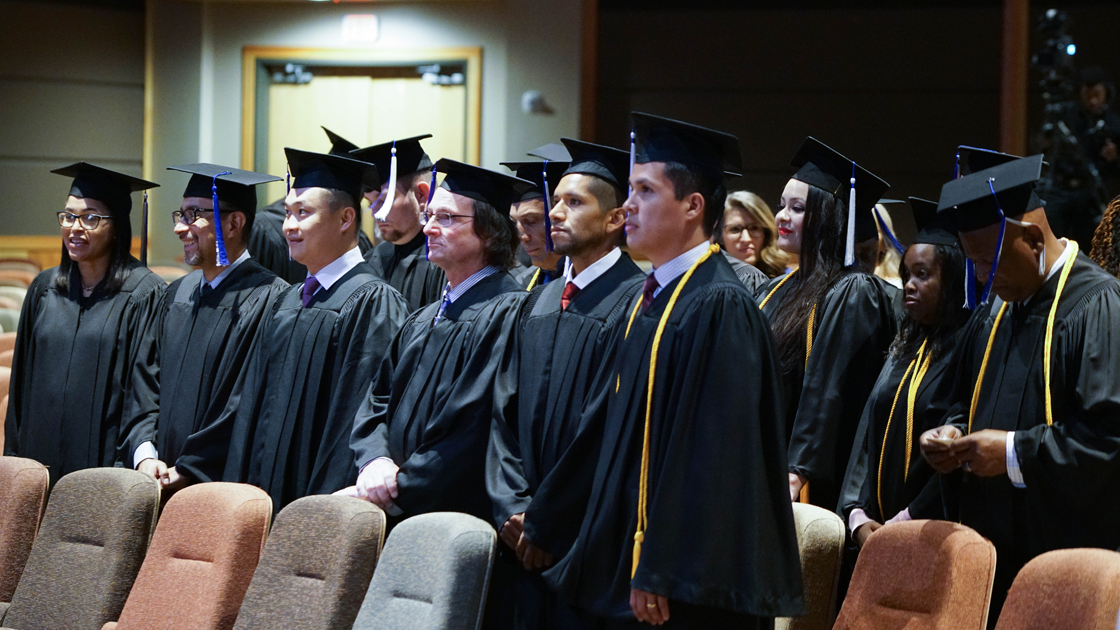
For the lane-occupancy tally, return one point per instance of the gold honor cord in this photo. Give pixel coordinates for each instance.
(911, 397)
(769, 295)
(1045, 347)
(533, 281)
(643, 480)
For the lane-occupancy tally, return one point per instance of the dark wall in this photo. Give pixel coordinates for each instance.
(896, 89)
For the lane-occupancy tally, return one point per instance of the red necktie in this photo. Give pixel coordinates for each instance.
(310, 286)
(570, 291)
(647, 291)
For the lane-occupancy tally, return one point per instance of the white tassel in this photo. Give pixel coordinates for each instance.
(633, 157)
(391, 194)
(850, 249)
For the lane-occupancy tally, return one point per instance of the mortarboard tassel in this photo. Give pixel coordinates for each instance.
(886, 230)
(969, 285)
(633, 158)
(223, 259)
(957, 167)
(144, 232)
(431, 193)
(999, 243)
(288, 189)
(547, 207)
(850, 247)
(391, 195)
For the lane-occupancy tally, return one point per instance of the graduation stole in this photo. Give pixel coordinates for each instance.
(1045, 347)
(804, 497)
(911, 398)
(533, 281)
(643, 479)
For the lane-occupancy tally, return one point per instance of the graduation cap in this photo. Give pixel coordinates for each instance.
(481, 184)
(113, 189)
(657, 139)
(608, 164)
(988, 197)
(552, 152)
(973, 159)
(339, 145)
(221, 183)
(934, 228)
(544, 176)
(107, 186)
(323, 170)
(821, 166)
(391, 158)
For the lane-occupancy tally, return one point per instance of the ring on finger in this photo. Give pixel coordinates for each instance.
(651, 605)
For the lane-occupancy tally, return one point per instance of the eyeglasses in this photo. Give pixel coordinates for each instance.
(187, 216)
(737, 230)
(88, 221)
(444, 219)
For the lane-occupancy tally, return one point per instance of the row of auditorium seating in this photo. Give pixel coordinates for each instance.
(101, 557)
(209, 565)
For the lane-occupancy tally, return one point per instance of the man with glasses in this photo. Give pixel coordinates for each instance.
(193, 356)
(320, 345)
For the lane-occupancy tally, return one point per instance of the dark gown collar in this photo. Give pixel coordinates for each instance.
(488, 288)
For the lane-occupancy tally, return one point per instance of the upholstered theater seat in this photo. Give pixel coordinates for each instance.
(202, 558)
(820, 539)
(23, 495)
(89, 548)
(433, 575)
(921, 575)
(1070, 589)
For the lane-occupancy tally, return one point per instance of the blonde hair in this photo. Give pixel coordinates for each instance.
(887, 265)
(770, 260)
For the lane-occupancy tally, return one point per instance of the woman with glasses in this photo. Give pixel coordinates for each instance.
(747, 232)
(80, 329)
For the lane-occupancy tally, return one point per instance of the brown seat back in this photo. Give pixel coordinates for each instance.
(316, 565)
(921, 575)
(202, 558)
(23, 495)
(1074, 589)
(820, 540)
(89, 547)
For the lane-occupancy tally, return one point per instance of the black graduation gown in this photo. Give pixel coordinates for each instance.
(194, 355)
(720, 533)
(268, 246)
(294, 413)
(525, 276)
(430, 406)
(73, 369)
(918, 489)
(1071, 468)
(534, 460)
(542, 453)
(407, 270)
(748, 274)
(855, 324)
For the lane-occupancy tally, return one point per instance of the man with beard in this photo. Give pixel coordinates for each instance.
(200, 342)
(401, 258)
(294, 414)
(541, 459)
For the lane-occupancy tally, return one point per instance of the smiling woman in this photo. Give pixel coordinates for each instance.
(79, 332)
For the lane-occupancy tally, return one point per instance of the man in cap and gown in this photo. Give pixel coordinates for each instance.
(530, 213)
(689, 522)
(206, 324)
(1030, 448)
(401, 257)
(541, 460)
(326, 336)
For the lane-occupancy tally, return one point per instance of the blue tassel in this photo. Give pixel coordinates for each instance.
(957, 167)
(223, 259)
(431, 193)
(969, 285)
(144, 233)
(547, 206)
(287, 182)
(999, 244)
(891, 239)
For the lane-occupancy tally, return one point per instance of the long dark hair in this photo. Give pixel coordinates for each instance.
(498, 234)
(951, 312)
(823, 233)
(120, 257)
